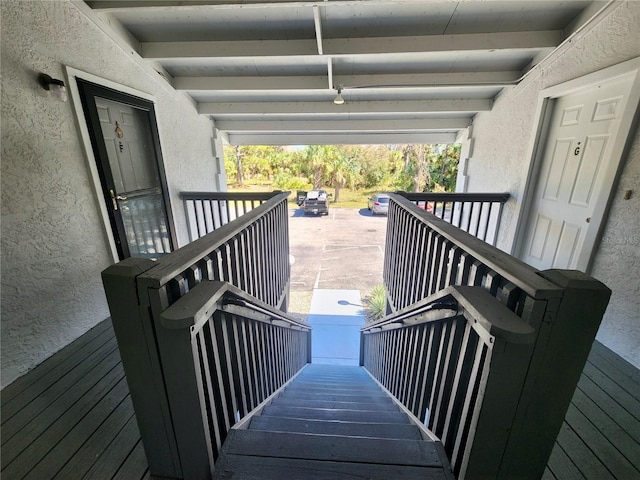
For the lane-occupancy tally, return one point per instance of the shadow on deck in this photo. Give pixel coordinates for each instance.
(71, 418)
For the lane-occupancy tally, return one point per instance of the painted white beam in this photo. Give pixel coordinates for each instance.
(499, 78)
(354, 46)
(389, 125)
(346, 139)
(186, 5)
(318, 26)
(305, 108)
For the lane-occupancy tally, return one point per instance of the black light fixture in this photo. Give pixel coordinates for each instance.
(55, 87)
(339, 100)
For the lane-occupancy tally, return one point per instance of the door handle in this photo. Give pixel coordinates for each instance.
(115, 197)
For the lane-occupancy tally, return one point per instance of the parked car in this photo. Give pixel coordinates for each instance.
(428, 206)
(316, 202)
(300, 196)
(379, 203)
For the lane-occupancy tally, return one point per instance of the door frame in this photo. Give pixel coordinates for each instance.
(620, 149)
(133, 97)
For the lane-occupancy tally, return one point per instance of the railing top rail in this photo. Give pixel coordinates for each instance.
(452, 301)
(451, 196)
(514, 270)
(169, 266)
(203, 299)
(229, 195)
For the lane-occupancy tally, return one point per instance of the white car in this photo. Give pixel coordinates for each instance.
(379, 203)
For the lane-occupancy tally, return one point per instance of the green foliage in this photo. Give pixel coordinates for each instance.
(283, 181)
(412, 168)
(375, 304)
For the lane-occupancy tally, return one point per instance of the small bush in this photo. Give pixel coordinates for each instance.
(375, 304)
(285, 182)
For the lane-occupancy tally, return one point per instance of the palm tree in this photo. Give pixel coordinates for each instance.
(343, 170)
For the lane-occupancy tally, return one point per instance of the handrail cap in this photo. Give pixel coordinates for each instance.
(494, 316)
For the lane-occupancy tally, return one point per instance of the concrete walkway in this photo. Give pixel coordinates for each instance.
(336, 317)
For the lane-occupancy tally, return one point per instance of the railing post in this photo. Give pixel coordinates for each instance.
(177, 351)
(564, 340)
(134, 331)
(504, 377)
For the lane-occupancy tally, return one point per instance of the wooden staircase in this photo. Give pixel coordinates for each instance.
(331, 422)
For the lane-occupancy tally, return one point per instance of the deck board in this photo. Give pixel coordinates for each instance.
(71, 417)
(76, 418)
(46, 373)
(600, 437)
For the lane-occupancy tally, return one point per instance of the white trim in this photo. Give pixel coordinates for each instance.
(72, 75)
(630, 68)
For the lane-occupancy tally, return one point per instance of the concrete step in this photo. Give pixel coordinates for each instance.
(369, 416)
(332, 448)
(354, 429)
(378, 407)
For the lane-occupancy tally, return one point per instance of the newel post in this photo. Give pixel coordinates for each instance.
(564, 339)
(134, 331)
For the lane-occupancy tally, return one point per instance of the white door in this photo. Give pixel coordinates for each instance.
(576, 176)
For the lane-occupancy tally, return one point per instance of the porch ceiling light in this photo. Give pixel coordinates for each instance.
(55, 87)
(339, 100)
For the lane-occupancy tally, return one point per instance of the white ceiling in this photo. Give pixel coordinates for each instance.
(412, 71)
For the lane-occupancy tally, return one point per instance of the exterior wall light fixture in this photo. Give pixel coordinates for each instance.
(339, 100)
(55, 87)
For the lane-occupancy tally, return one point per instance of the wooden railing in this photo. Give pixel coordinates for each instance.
(222, 355)
(476, 213)
(250, 253)
(452, 361)
(207, 211)
(424, 254)
(522, 409)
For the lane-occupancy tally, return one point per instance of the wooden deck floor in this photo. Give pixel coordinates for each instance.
(71, 418)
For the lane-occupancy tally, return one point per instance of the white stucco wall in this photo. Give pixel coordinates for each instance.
(53, 243)
(499, 161)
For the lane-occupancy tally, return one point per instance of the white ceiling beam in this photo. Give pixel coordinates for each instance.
(197, 5)
(203, 5)
(354, 46)
(498, 78)
(318, 26)
(366, 107)
(316, 82)
(342, 139)
(388, 125)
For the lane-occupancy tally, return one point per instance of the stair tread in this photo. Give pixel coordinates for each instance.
(337, 397)
(333, 448)
(380, 407)
(336, 414)
(356, 429)
(242, 467)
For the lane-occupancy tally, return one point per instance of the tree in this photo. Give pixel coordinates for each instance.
(240, 174)
(343, 170)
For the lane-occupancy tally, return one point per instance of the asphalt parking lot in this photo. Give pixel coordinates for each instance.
(343, 250)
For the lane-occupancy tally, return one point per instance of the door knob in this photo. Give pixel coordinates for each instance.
(588, 220)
